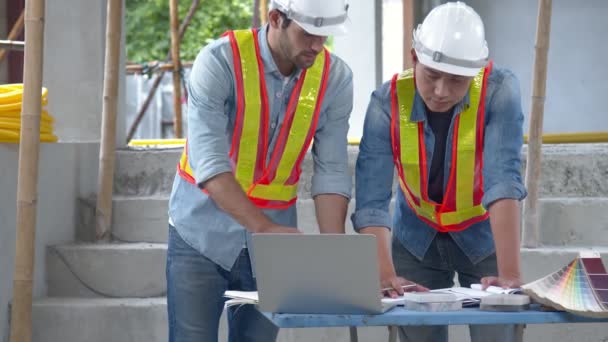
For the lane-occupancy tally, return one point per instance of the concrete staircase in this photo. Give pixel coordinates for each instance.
(115, 292)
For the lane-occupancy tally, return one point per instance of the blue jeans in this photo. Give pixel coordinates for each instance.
(195, 289)
(441, 262)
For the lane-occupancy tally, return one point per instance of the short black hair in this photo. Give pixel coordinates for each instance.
(286, 20)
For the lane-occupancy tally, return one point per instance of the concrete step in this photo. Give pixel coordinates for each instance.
(138, 270)
(574, 221)
(106, 270)
(145, 172)
(99, 320)
(145, 219)
(152, 172)
(573, 170)
(564, 220)
(145, 320)
(136, 219)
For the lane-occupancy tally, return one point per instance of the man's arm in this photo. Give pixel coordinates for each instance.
(331, 213)
(505, 222)
(210, 86)
(332, 180)
(503, 185)
(230, 197)
(374, 180)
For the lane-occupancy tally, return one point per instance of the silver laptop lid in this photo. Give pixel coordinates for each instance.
(334, 274)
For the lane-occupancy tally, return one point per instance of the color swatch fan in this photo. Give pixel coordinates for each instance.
(580, 288)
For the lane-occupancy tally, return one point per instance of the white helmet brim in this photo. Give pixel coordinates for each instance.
(329, 30)
(331, 25)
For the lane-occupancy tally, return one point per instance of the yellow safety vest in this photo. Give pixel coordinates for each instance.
(273, 184)
(461, 205)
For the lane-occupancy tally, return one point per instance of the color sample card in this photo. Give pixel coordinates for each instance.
(580, 287)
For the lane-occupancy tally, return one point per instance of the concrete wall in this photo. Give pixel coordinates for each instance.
(358, 49)
(3, 35)
(577, 70)
(73, 69)
(66, 172)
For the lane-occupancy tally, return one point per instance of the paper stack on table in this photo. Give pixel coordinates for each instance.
(449, 298)
(427, 301)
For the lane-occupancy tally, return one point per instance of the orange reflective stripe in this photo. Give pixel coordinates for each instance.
(408, 134)
(248, 144)
(466, 148)
(303, 119)
(466, 159)
(183, 167)
(481, 123)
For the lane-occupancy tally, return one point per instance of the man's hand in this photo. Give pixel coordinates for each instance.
(398, 286)
(278, 229)
(504, 282)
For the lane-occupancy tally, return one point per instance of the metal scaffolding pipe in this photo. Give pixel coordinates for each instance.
(12, 45)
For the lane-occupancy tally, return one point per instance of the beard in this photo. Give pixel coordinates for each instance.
(303, 60)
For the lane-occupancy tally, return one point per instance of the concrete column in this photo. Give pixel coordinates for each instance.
(358, 49)
(73, 69)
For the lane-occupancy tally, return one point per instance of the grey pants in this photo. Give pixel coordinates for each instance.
(442, 261)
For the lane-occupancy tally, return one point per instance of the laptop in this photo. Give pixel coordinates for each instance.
(318, 274)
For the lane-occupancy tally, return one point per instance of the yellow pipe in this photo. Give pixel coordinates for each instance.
(549, 138)
(573, 138)
(16, 114)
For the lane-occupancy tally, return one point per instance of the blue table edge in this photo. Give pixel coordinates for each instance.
(401, 316)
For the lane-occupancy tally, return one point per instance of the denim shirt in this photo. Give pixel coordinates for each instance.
(211, 116)
(501, 166)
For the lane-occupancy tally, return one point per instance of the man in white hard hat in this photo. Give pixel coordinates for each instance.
(452, 129)
(257, 99)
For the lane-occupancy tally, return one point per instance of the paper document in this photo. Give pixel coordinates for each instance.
(468, 296)
(241, 297)
(497, 290)
(427, 301)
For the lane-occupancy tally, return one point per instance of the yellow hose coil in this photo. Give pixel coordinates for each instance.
(10, 115)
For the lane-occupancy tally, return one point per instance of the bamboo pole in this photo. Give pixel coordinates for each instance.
(177, 90)
(263, 12)
(15, 32)
(257, 11)
(138, 68)
(103, 214)
(539, 82)
(408, 28)
(27, 182)
(159, 76)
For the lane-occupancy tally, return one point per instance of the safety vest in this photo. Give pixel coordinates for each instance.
(461, 205)
(272, 184)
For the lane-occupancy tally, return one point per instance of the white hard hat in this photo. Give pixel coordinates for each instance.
(452, 39)
(317, 17)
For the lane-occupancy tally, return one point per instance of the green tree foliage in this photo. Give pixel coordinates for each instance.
(148, 31)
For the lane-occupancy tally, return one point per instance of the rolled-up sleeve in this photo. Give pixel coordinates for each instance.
(503, 142)
(374, 171)
(209, 87)
(331, 169)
